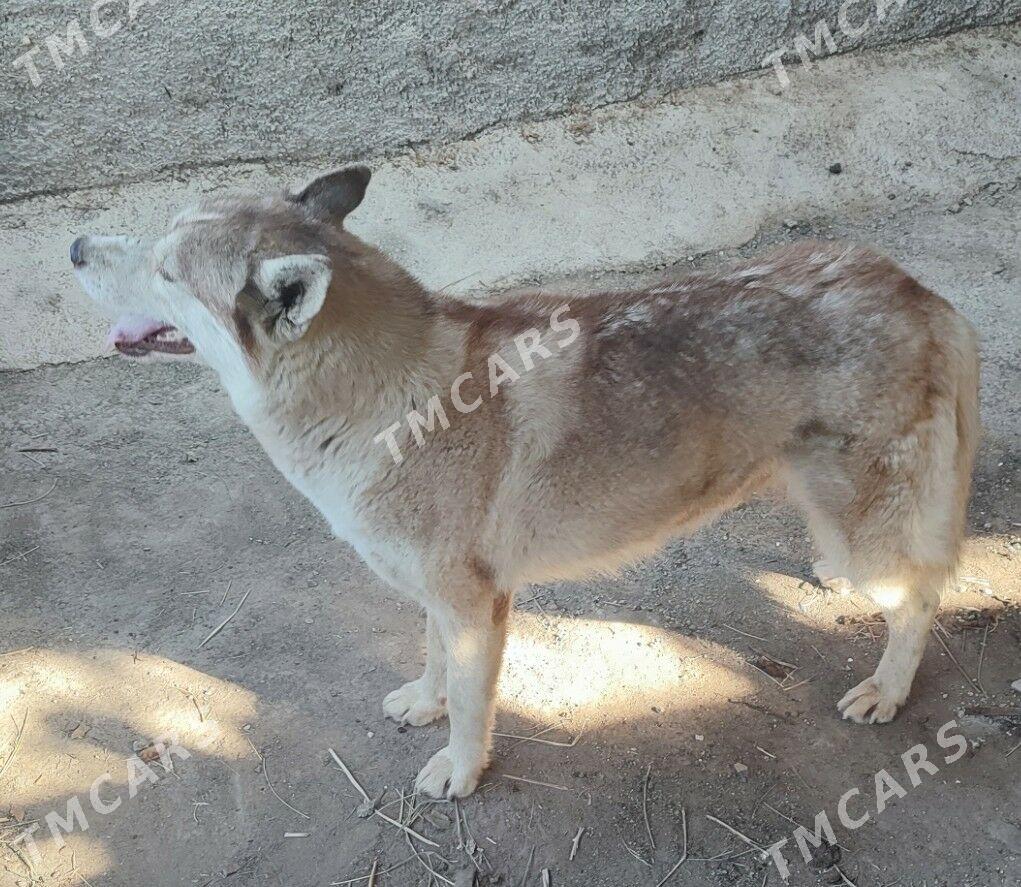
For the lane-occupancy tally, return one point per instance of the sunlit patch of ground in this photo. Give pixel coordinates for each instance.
(74, 725)
(598, 671)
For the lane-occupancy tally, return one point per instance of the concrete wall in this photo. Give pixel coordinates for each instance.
(189, 84)
(625, 188)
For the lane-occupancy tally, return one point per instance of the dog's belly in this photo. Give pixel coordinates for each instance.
(633, 516)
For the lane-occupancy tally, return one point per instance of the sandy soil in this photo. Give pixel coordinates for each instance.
(150, 515)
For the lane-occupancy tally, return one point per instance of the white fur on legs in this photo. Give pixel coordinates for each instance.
(474, 642)
(910, 608)
(424, 700)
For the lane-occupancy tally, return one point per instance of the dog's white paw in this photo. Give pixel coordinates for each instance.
(414, 704)
(450, 775)
(829, 577)
(870, 703)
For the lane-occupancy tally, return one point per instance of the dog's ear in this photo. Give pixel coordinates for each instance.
(334, 195)
(295, 288)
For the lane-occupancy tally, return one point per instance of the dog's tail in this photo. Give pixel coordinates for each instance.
(967, 425)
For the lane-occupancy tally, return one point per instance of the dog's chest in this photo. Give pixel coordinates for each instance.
(337, 488)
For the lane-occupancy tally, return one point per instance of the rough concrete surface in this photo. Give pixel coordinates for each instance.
(150, 511)
(627, 187)
(186, 84)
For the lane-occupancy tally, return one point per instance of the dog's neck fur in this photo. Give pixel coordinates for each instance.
(376, 349)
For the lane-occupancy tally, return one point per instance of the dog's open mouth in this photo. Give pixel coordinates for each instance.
(136, 336)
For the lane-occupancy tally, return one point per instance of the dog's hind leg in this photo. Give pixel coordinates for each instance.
(423, 700)
(909, 602)
(889, 513)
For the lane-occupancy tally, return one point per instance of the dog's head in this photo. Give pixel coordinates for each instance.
(233, 279)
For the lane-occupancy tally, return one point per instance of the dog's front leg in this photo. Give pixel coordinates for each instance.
(473, 634)
(424, 700)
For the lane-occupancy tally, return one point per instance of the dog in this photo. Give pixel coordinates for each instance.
(467, 449)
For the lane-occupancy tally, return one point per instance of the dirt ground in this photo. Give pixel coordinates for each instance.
(138, 515)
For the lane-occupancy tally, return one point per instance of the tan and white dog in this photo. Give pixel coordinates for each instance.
(465, 450)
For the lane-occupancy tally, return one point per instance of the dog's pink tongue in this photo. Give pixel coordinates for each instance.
(132, 328)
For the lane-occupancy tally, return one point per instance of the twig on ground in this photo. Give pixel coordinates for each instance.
(350, 777)
(562, 788)
(795, 686)
(953, 659)
(471, 837)
(29, 501)
(361, 878)
(528, 868)
(21, 555)
(783, 815)
(74, 871)
(1014, 749)
(761, 671)
(644, 862)
(457, 823)
(844, 880)
(684, 850)
(226, 591)
(745, 633)
(24, 862)
(17, 742)
(237, 610)
(195, 702)
(645, 807)
(368, 800)
(265, 773)
(738, 834)
(576, 843)
(535, 738)
(982, 655)
(772, 658)
(407, 837)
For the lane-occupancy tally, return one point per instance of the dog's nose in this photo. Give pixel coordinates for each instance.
(78, 252)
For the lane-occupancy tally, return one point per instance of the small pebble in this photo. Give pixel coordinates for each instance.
(836, 168)
(1016, 686)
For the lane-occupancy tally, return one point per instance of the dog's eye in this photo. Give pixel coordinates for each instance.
(289, 293)
(166, 275)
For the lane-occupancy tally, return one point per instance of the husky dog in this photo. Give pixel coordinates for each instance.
(467, 449)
